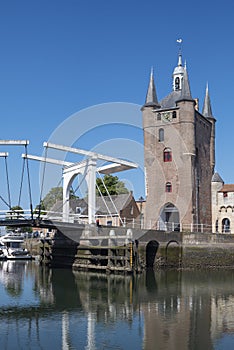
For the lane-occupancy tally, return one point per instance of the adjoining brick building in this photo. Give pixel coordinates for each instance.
(179, 143)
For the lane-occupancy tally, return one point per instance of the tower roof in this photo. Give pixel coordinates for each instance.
(185, 91)
(151, 96)
(179, 69)
(217, 178)
(207, 111)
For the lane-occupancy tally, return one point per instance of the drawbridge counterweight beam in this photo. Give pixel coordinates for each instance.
(14, 142)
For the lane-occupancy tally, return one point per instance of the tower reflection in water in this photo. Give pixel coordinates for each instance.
(58, 308)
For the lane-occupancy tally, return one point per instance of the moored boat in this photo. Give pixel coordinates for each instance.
(12, 247)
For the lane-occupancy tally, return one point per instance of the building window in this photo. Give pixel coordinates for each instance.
(217, 226)
(174, 114)
(225, 194)
(225, 225)
(167, 155)
(78, 210)
(161, 135)
(159, 116)
(168, 187)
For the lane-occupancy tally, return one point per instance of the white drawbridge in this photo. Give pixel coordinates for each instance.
(88, 168)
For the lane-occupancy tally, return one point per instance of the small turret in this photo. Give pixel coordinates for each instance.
(151, 96)
(178, 75)
(185, 91)
(207, 112)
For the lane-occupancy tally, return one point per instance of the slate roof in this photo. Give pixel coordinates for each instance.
(170, 100)
(217, 178)
(120, 202)
(151, 96)
(207, 110)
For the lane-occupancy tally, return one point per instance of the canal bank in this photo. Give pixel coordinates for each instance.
(127, 250)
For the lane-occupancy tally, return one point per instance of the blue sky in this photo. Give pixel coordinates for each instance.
(59, 57)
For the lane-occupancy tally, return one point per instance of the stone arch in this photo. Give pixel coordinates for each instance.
(173, 254)
(226, 225)
(151, 251)
(169, 219)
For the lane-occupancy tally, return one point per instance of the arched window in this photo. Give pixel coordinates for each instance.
(168, 187)
(167, 155)
(161, 135)
(177, 83)
(225, 225)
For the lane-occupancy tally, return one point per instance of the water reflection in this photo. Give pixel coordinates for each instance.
(57, 308)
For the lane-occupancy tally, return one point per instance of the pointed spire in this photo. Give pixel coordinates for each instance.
(185, 91)
(207, 111)
(151, 97)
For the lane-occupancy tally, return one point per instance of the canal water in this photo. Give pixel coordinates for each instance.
(44, 308)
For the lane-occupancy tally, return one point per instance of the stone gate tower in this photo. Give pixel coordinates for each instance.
(179, 143)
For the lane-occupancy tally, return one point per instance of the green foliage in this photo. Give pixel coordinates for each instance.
(54, 195)
(17, 212)
(113, 185)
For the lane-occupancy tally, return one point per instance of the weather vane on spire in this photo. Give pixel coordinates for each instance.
(179, 41)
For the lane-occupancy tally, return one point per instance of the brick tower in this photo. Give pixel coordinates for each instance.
(179, 143)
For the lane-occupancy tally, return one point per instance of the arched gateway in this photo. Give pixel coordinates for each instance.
(169, 218)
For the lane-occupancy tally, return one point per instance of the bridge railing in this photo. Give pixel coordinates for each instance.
(105, 220)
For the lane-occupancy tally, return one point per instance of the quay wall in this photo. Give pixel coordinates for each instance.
(190, 250)
(151, 248)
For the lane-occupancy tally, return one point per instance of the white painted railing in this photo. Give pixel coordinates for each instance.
(105, 220)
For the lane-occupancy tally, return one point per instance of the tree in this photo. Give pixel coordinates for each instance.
(113, 185)
(54, 195)
(17, 212)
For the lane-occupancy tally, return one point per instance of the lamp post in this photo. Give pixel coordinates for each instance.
(141, 200)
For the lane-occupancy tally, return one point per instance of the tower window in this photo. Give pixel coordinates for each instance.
(167, 155)
(177, 83)
(168, 187)
(159, 116)
(161, 135)
(174, 114)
